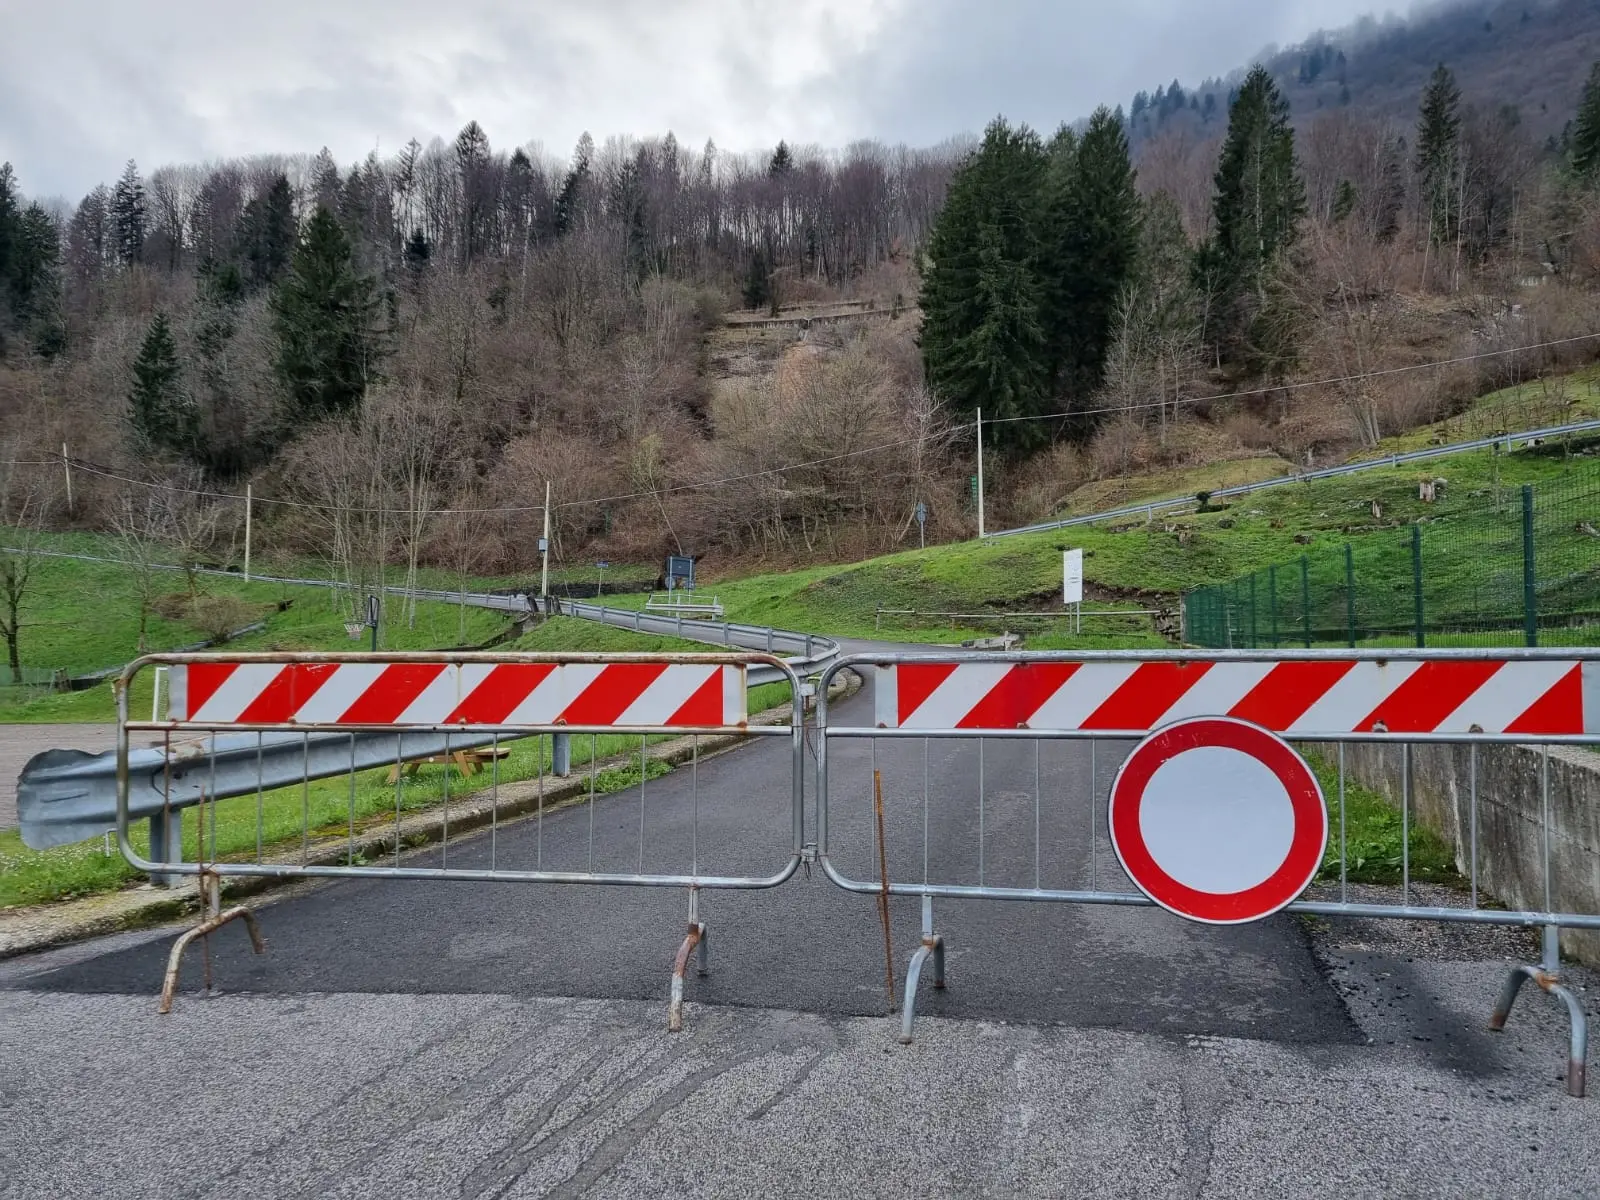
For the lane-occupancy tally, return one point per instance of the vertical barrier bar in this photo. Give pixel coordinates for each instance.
(1350, 593)
(1305, 597)
(560, 755)
(1530, 602)
(1416, 583)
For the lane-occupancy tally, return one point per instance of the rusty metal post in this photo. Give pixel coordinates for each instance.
(694, 939)
(883, 894)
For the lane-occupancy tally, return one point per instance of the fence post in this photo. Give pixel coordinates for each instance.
(1416, 583)
(1272, 602)
(1305, 596)
(1350, 593)
(1530, 600)
(1254, 641)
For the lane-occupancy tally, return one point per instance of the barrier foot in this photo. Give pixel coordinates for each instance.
(1549, 980)
(933, 946)
(695, 939)
(215, 921)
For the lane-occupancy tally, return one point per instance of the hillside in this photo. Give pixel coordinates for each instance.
(1530, 55)
(777, 359)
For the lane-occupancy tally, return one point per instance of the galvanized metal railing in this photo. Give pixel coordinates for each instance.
(1034, 740)
(460, 706)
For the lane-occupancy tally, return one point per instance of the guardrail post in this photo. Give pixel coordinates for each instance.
(166, 844)
(808, 645)
(1530, 598)
(1416, 583)
(769, 639)
(561, 754)
(1350, 593)
(1305, 596)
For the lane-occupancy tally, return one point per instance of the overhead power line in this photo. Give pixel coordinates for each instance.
(702, 485)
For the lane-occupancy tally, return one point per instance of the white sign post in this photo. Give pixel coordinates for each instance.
(1072, 584)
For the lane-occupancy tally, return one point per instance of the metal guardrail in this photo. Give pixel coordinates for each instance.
(1150, 509)
(806, 653)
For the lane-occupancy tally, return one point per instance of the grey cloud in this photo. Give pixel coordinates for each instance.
(181, 82)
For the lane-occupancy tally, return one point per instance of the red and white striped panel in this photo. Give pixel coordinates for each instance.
(1534, 697)
(632, 695)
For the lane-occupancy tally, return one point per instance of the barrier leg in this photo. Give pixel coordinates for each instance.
(1548, 977)
(211, 887)
(932, 945)
(695, 939)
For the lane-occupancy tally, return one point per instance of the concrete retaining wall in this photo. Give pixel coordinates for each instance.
(1511, 844)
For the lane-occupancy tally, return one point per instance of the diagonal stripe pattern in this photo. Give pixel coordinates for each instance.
(1534, 697)
(622, 695)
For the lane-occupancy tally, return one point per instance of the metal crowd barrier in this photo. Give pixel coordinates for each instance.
(1034, 741)
(464, 711)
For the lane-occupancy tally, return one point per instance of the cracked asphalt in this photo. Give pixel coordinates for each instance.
(431, 1039)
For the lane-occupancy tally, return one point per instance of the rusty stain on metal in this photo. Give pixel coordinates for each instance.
(170, 985)
(697, 932)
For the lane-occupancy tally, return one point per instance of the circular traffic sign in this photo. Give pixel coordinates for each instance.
(1218, 820)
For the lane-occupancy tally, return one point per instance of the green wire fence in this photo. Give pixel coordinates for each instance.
(1523, 572)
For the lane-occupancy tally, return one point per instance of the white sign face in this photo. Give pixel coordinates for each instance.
(1072, 577)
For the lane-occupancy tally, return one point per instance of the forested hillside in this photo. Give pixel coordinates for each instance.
(394, 356)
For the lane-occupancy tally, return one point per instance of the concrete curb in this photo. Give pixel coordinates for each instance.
(46, 926)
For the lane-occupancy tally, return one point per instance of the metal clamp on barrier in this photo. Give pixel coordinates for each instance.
(277, 722)
(1176, 779)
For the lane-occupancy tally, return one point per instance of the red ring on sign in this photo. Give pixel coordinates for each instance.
(1306, 847)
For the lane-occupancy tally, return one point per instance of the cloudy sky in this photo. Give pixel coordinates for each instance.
(87, 84)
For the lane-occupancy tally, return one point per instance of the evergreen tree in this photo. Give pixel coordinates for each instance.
(472, 162)
(1438, 162)
(30, 252)
(570, 201)
(267, 234)
(782, 161)
(1344, 203)
(323, 313)
(418, 251)
(162, 415)
(1258, 203)
(756, 287)
(1091, 243)
(128, 214)
(1584, 139)
(983, 343)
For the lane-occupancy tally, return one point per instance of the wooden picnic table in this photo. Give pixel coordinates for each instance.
(468, 762)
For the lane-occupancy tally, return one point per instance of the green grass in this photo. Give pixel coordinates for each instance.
(1373, 836)
(82, 616)
(1130, 563)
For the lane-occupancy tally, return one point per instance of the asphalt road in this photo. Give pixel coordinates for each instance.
(431, 1039)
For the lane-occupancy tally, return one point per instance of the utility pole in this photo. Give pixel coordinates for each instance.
(544, 545)
(247, 506)
(980, 474)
